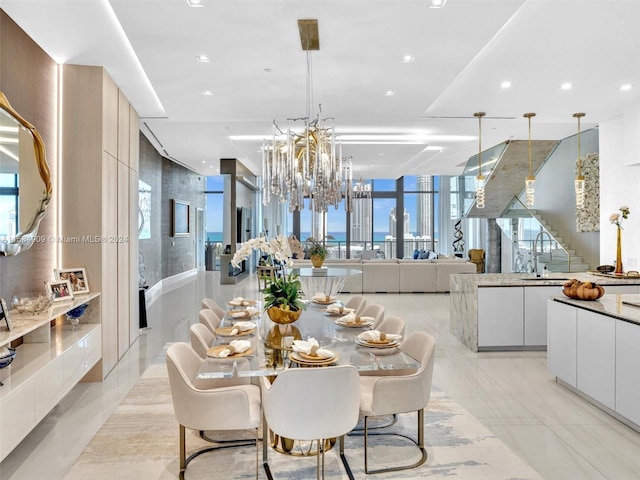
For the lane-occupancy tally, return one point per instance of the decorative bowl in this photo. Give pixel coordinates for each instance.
(78, 311)
(31, 302)
(283, 317)
(606, 268)
(6, 360)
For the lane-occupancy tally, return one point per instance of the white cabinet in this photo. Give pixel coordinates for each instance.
(596, 339)
(500, 317)
(535, 314)
(627, 371)
(561, 341)
(49, 362)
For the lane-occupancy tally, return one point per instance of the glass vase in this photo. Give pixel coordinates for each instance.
(619, 270)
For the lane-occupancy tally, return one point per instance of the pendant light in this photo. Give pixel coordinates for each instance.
(579, 182)
(480, 179)
(530, 181)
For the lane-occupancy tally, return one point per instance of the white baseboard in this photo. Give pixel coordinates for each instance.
(168, 284)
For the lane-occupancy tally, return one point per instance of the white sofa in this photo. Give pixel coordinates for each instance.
(398, 275)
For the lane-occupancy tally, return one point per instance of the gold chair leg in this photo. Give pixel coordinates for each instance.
(419, 444)
(183, 449)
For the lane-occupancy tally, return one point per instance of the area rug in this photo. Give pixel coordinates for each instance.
(140, 441)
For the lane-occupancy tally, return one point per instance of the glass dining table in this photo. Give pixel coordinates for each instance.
(272, 346)
(327, 280)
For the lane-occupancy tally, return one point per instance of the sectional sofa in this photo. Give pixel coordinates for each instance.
(398, 275)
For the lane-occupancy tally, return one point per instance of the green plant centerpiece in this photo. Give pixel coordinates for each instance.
(282, 301)
(316, 252)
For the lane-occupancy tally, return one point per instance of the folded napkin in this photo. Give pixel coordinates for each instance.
(321, 297)
(350, 317)
(376, 336)
(240, 327)
(238, 301)
(337, 309)
(235, 346)
(247, 312)
(311, 347)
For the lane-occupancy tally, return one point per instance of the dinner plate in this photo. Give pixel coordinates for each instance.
(226, 332)
(296, 357)
(234, 314)
(363, 323)
(324, 302)
(215, 351)
(337, 314)
(365, 343)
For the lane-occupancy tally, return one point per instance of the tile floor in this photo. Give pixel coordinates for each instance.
(556, 432)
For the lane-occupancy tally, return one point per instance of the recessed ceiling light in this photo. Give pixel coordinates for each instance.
(566, 86)
(389, 93)
(433, 148)
(436, 3)
(195, 3)
(408, 59)
(202, 59)
(625, 87)
(203, 161)
(505, 84)
(207, 93)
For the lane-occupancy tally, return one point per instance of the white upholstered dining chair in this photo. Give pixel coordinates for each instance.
(209, 319)
(357, 302)
(393, 325)
(387, 395)
(208, 404)
(311, 404)
(201, 338)
(374, 310)
(213, 306)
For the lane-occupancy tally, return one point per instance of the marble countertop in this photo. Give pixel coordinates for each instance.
(529, 279)
(614, 305)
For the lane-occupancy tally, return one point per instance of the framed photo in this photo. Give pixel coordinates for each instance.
(4, 314)
(180, 218)
(61, 290)
(76, 276)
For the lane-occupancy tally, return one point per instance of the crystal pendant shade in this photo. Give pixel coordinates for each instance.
(530, 181)
(579, 181)
(530, 187)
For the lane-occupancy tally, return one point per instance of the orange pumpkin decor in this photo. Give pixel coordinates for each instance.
(574, 288)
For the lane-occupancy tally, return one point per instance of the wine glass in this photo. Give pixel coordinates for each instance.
(75, 314)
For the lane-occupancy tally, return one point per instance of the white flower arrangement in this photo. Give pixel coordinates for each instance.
(277, 248)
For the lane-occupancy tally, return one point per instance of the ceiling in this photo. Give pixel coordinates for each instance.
(257, 71)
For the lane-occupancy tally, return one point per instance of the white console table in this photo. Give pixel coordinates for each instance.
(51, 359)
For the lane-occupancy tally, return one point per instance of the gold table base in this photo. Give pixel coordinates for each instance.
(298, 448)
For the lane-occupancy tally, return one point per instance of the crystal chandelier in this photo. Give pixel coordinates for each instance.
(579, 181)
(530, 181)
(306, 159)
(480, 179)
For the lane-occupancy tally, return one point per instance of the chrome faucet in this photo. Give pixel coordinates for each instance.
(535, 250)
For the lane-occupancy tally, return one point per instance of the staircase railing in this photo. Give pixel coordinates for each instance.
(521, 225)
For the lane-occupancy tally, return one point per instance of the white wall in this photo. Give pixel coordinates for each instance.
(619, 185)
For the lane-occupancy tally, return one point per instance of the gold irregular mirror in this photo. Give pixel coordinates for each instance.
(25, 181)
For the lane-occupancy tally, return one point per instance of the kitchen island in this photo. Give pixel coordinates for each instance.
(593, 351)
(508, 311)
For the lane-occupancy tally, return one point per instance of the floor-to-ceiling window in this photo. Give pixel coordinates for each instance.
(389, 218)
(421, 200)
(214, 202)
